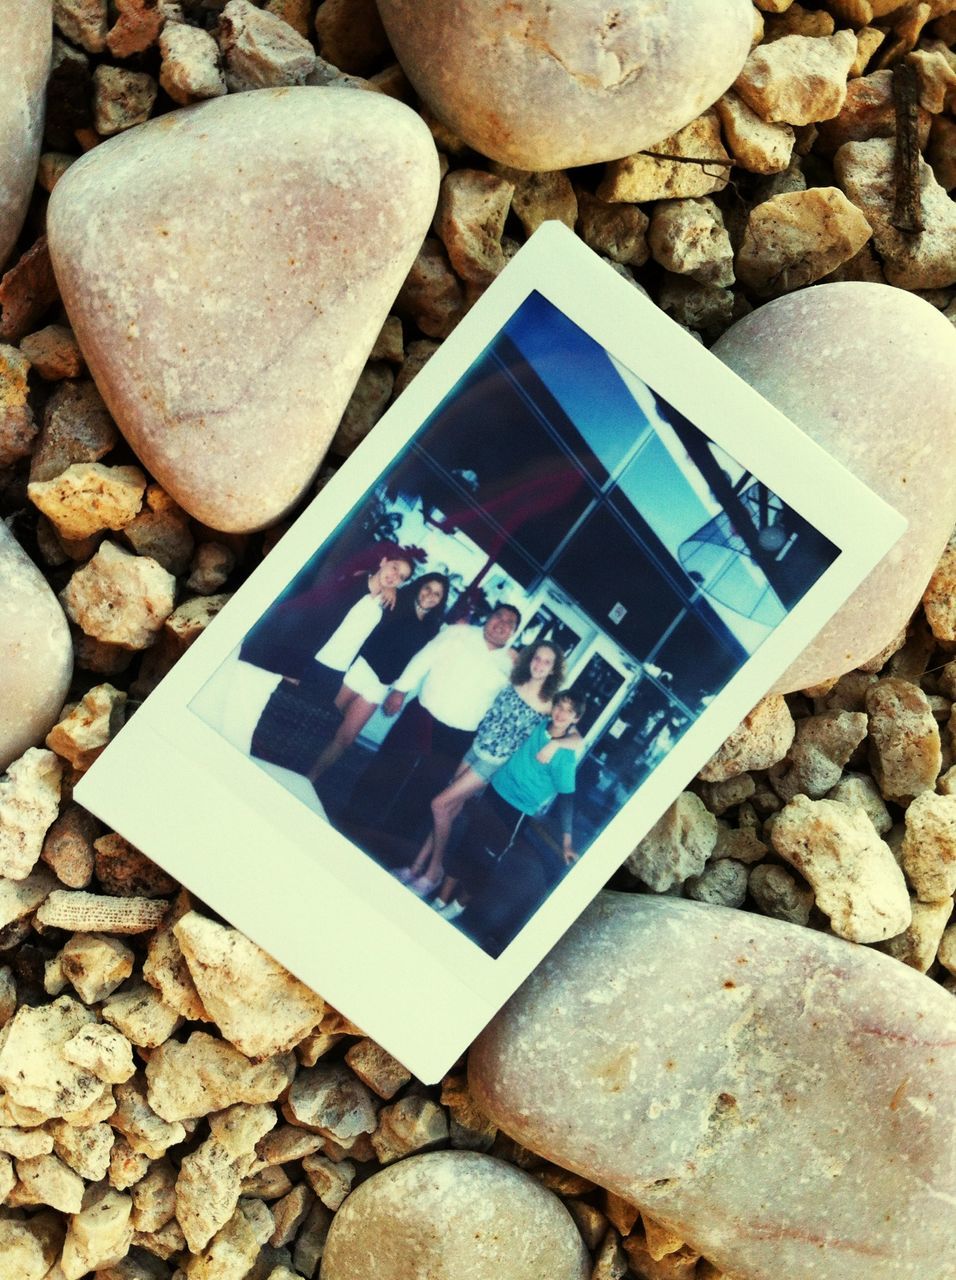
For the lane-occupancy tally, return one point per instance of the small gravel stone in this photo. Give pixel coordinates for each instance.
(928, 852)
(382, 1073)
(206, 1074)
(137, 26)
(431, 297)
(53, 352)
(120, 598)
(47, 1180)
(939, 598)
(86, 1150)
(409, 1125)
(328, 1099)
(96, 912)
(368, 402)
(798, 79)
(918, 944)
(207, 1193)
(33, 1069)
(138, 1011)
(470, 219)
(689, 237)
(85, 22)
(190, 67)
(154, 1197)
(904, 739)
(29, 799)
(88, 497)
(121, 98)
(330, 1180)
(755, 144)
(677, 846)
(868, 112)
(261, 51)
(51, 168)
(540, 197)
(18, 430)
(703, 307)
(145, 1130)
(860, 790)
(618, 231)
(853, 873)
(761, 739)
(95, 965)
(76, 428)
(102, 1050)
(99, 1235)
(791, 240)
(821, 747)
(722, 883)
(124, 872)
(85, 731)
(351, 35)
(648, 175)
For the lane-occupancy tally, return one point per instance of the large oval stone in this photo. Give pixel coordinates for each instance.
(227, 269)
(783, 1100)
(548, 85)
(869, 372)
(36, 653)
(453, 1215)
(27, 40)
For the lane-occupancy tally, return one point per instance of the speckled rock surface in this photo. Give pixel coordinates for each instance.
(453, 1215)
(848, 363)
(782, 1100)
(36, 656)
(27, 37)
(162, 244)
(551, 85)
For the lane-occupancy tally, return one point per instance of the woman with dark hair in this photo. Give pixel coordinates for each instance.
(523, 705)
(416, 619)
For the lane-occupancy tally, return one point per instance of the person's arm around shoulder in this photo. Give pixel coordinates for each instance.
(416, 669)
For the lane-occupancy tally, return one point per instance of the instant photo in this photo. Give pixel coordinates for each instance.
(507, 634)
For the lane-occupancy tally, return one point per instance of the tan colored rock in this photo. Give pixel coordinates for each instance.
(939, 598)
(761, 739)
(27, 33)
(382, 1073)
(267, 1184)
(53, 352)
(36, 656)
(127, 1167)
(165, 967)
(29, 797)
(17, 429)
(412, 1124)
(84, 22)
(138, 1011)
(47, 1180)
(917, 945)
(259, 50)
(330, 1180)
(330, 1100)
(431, 297)
(616, 81)
(618, 231)
(791, 240)
(166, 1242)
(287, 1143)
(852, 871)
(88, 497)
(206, 1074)
(76, 428)
(290, 1212)
(100, 913)
(207, 1193)
(86, 1150)
(904, 739)
(798, 79)
(755, 144)
(51, 168)
(868, 40)
(540, 197)
(237, 981)
(30, 1247)
(733, 791)
(946, 953)
(99, 1235)
(368, 402)
(95, 965)
(121, 99)
(102, 1050)
(212, 563)
(795, 20)
(161, 530)
(936, 71)
(928, 853)
(120, 598)
(235, 1248)
(241, 1127)
(941, 152)
(689, 237)
(190, 67)
(472, 207)
(25, 1143)
(859, 789)
(667, 170)
(868, 112)
(920, 260)
(146, 1131)
(822, 746)
(351, 35)
(8, 995)
(18, 898)
(154, 1197)
(367, 175)
(86, 730)
(677, 846)
(124, 872)
(841, 332)
(448, 1213)
(722, 883)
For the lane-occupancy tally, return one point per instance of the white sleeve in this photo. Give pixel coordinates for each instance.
(420, 663)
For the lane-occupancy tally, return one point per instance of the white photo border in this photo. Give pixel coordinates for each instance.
(239, 841)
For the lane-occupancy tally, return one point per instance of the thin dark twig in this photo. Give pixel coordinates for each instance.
(907, 207)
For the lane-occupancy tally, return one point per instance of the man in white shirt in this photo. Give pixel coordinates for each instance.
(458, 675)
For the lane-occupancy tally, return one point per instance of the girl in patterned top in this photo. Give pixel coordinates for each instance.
(520, 707)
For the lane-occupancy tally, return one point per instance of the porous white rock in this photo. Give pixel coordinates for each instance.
(691, 162)
(257, 1004)
(820, 356)
(36, 655)
(206, 1074)
(677, 846)
(553, 85)
(199, 360)
(88, 497)
(452, 1214)
(776, 1096)
(689, 237)
(34, 1070)
(797, 237)
(99, 1236)
(29, 799)
(798, 79)
(27, 39)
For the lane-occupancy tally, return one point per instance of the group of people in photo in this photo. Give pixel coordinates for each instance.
(489, 743)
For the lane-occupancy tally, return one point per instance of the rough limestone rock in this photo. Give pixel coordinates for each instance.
(821, 357)
(27, 40)
(782, 1099)
(34, 1071)
(29, 799)
(257, 1004)
(552, 85)
(203, 366)
(453, 1215)
(36, 655)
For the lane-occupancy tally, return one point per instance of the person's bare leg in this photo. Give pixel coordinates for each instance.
(423, 857)
(358, 712)
(446, 807)
(344, 698)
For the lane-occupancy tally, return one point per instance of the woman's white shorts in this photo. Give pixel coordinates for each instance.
(361, 679)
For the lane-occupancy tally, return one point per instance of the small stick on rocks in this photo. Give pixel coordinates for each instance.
(907, 209)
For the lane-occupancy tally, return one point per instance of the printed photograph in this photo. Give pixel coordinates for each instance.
(542, 592)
